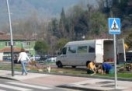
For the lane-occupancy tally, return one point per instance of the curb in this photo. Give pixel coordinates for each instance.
(94, 76)
(87, 89)
(9, 78)
(79, 88)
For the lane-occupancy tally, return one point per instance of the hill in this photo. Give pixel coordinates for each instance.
(24, 8)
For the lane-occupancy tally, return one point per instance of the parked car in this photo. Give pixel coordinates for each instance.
(36, 57)
(7, 58)
(51, 59)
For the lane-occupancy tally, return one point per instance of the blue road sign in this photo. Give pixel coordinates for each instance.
(114, 25)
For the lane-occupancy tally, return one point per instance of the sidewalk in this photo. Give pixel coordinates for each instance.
(82, 83)
(17, 75)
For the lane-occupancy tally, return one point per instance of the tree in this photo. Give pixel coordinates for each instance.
(41, 47)
(98, 23)
(62, 24)
(54, 28)
(117, 8)
(61, 42)
(78, 22)
(128, 39)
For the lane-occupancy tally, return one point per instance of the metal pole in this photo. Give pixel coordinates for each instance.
(115, 59)
(11, 40)
(124, 50)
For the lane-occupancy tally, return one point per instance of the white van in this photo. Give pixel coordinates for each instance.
(80, 53)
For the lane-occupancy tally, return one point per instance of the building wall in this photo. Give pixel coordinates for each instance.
(28, 45)
(1, 56)
(2, 44)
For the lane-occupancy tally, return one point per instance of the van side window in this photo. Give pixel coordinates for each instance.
(72, 49)
(64, 50)
(91, 49)
(82, 49)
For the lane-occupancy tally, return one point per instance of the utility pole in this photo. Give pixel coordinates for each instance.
(11, 39)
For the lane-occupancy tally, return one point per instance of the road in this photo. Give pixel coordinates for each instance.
(11, 85)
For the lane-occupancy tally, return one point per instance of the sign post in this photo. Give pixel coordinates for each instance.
(114, 28)
(12, 61)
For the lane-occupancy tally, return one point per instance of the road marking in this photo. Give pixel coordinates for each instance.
(2, 90)
(14, 87)
(28, 85)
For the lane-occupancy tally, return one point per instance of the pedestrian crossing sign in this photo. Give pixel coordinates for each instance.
(114, 25)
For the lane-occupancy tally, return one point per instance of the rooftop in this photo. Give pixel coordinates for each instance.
(8, 49)
(6, 36)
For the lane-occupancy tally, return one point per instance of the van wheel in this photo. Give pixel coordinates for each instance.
(73, 66)
(59, 64)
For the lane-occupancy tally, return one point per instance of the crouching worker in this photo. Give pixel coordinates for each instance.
(107, 68)
(91, 68)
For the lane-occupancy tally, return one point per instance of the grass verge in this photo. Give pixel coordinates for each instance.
(65, 71)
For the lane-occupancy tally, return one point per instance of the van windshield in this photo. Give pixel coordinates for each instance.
(63, 51)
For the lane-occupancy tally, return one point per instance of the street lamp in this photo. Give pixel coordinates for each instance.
(11, 39)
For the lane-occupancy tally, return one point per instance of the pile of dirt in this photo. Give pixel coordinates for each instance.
(125, 67)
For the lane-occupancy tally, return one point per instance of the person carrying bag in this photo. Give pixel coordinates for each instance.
(24, 59)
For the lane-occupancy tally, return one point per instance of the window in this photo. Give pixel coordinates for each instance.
(9, 43)
(72, 49)
(64, 50)
(24, 44)
(28, 43)
(14, 43)
(82, 49)
(91, 49)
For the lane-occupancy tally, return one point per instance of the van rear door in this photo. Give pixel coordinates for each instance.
(99, 51)
(108, 50)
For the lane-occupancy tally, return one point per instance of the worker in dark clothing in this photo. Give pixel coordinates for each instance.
(106, 67)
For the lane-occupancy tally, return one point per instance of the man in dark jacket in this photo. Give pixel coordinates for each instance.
(106, 67)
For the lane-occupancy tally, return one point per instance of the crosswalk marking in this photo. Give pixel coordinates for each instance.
(2, 90)
(28, 85)
(14, 87)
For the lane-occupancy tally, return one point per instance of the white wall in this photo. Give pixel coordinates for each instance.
(1, 56)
